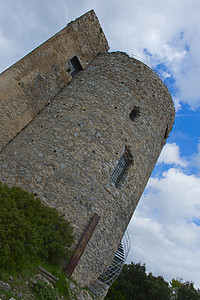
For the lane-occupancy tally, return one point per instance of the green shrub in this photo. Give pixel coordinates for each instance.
(30, 230)
(43, 291)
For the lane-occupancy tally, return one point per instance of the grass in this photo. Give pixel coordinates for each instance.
(20, 283)
(31, 234)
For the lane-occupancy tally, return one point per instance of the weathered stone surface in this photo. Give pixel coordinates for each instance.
(99, 289)
(67, 154)
(5, 286)
(27, 86)
(84, 295)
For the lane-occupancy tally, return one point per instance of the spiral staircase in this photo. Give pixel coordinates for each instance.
(115, 268)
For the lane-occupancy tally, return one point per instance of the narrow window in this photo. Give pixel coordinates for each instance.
(121, 170)
(74, 66)
(166, 133)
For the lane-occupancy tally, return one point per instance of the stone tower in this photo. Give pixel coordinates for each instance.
(89, 143)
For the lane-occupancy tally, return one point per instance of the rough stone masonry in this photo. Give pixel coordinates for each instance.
(31, 83)
(92, 148)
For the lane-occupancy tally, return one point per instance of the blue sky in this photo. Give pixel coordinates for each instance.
(165, 228)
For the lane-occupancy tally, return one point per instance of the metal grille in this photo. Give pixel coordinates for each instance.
(74, 66)
(119, 172)
(71, 67)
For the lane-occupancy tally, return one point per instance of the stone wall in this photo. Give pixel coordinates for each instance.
(30, 84)
(116, 106)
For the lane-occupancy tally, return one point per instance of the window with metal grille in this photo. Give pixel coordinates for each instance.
(74, 66)
(121, 170)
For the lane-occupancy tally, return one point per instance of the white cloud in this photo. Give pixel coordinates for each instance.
(171, 155)
(169, 33)
(195, 159)
(27, 24)
(169, 30)
(163, 234)
(162, 230)
(177, 103)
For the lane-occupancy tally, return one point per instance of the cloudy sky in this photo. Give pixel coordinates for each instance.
(165, 229)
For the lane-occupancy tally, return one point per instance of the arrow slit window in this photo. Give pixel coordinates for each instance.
(121, 170)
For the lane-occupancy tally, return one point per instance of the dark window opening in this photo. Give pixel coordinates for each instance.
(121, 170)
(166, 133)
(135, 113)
(74, 66)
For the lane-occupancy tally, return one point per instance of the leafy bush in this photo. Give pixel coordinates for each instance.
(134, 284)
(30, 230)
(43, 291)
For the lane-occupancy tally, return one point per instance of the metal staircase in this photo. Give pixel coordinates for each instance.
(114, 270)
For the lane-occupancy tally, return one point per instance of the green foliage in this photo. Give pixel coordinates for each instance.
(115, 294)
(61, 285)
(175, 286)
(134, 284)
(7, 294)
(183, 290)
(157, 288)
(131, 282)
(43, 291)
(133, 279)
(20, 279)
(29, 231)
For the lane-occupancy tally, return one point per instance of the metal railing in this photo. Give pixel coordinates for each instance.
(121, 254)
(150, 65)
